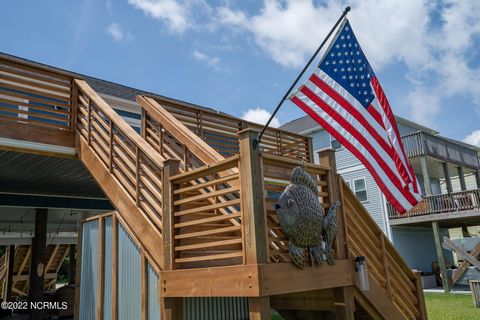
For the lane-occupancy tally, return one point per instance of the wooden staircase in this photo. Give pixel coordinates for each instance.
(198, 199)
(55, 254)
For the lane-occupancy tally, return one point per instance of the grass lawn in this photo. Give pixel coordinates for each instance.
(450, 307)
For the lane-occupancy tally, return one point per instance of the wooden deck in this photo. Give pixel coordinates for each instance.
(197, 199)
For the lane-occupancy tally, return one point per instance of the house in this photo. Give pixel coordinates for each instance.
(448, 174)
(172, 210)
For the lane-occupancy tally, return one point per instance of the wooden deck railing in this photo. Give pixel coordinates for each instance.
(386, 267)
(276, 176)
(424, 144)
(35, 96)
(131, 161)
(220, 132)
(441, 203)
(207, 226)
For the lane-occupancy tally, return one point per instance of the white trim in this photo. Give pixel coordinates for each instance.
(122, 104)
(354, 189)
(351, 169)
(36, 146)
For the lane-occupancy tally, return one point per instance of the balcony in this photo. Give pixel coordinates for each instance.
(424, 144)
(453, 205)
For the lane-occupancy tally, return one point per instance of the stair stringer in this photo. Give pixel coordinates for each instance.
(140, 226)
(391, 281)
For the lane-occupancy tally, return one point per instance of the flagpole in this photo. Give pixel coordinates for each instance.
(256, 142)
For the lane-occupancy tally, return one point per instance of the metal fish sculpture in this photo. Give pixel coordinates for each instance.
(302, 219)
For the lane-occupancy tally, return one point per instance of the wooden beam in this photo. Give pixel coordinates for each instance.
(71, 264)
(52, 256)
(10, 254)
(344, 300)
(259, 308)
(36, 134)
(229, 281)
(464, 265)
(254, 223)
(420, 296)
(171, 167)
(440, 258)
(446, 174)
(37, 263)
(382, 304)
(252, 189)
(276, 278)
(260, 280)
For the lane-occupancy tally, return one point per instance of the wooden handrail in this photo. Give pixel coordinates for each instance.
(120, 123)
(387, 268)
(197, 146)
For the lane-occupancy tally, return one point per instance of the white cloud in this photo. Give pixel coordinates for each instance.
(424, 104)
(433, 50)
(213, 62)
(177, 15)
(261, 116)
(173, 13)
(473, 138)
(115, 32)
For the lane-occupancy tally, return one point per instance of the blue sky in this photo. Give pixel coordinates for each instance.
(240, 56)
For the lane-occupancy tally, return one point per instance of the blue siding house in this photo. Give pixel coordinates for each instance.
(448, 173)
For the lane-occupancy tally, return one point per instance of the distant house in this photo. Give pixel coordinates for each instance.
(448, 173)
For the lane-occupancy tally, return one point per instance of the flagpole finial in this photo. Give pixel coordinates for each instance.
(347, 9)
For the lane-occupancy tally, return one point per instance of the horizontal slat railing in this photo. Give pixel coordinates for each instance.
(220, 132)
(35, 96)
(276, 175)
(202, 235)
(441, 203)
(135, 165)
(385, 265)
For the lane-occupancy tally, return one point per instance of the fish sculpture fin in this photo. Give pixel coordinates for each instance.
(297, 255)
(300, 176)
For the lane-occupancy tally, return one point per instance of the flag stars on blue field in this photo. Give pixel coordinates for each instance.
(346, 64)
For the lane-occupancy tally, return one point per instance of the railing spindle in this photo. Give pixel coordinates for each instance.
(137, 176)
(110, 154)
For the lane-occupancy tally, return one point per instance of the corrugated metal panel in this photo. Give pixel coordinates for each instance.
(129, 277)
(215, 308)
(108, 269)
(89, 271)
(153, 294)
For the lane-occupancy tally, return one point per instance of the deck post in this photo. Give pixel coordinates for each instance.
(477, 178)
(254, 220)
(37, 263)
(171, 308)
(426, 176)
(441, 260)
(343, 297)
(446, 174)
(461, 177)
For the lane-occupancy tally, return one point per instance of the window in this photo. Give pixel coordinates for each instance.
(360, 189)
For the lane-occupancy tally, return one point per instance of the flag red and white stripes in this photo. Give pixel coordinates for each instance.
(344, 96)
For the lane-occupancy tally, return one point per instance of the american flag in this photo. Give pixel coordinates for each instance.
(344, 96)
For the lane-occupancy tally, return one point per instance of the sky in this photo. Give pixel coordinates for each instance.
(240, 56)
